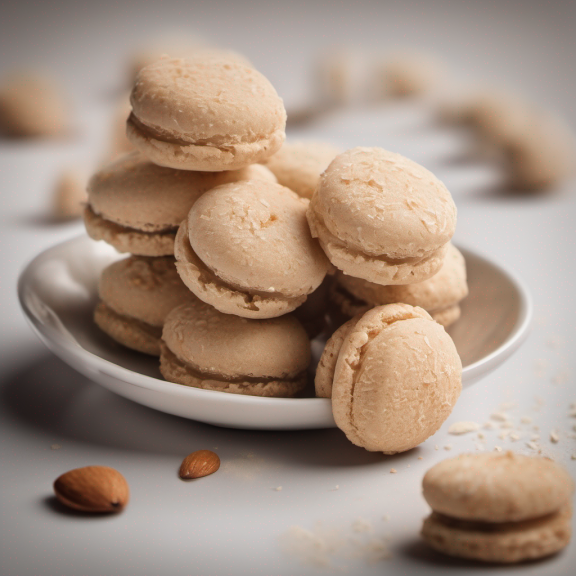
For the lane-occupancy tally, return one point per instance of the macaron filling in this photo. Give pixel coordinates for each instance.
(125, 239)
(128, 331)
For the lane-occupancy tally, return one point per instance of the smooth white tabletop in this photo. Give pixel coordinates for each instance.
(237, 521)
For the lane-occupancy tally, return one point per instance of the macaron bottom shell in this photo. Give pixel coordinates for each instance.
(127, 331)
(506, 542)
(128, 240)
(176, 370)
(183, 155)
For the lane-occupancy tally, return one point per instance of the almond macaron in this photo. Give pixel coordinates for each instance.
(381, 217)
(298, 165)
(394, 376)
(204, 348)
(136, 295)
(439, 295)
(137, 206)
(245, 248)
(498, 507)
(206, 113)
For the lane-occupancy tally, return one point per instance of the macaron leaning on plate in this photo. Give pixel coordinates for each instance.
(207, 113)
(498, 507)
(136, 295)
(382, 217)
(246, 249)
(204, 348)
(137, 206)
(394, 376)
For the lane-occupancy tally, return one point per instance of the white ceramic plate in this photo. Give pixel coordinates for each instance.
(58, 292)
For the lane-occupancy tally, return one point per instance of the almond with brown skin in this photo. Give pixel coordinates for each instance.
(198, 464)
(93, 489)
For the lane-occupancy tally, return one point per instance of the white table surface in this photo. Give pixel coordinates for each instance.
(236, 522)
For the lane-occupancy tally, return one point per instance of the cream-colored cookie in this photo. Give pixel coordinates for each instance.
(137, 206)
(246, 249)
(206, 113)
(32, 105)
(438, 295)
(298, 165)
(136, 296)
(498, 507)
(206, 349)
(396, 378)
(381, 217)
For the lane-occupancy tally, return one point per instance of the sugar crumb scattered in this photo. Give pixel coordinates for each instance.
(463, 427)
(393, 471)
(500, 416)
(448, 447)
(532, 445)
(420, 457)
(526, 420)
(498, 448)
(278, 488)
(554, 437)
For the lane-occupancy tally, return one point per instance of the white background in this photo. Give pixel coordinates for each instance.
(233, 522)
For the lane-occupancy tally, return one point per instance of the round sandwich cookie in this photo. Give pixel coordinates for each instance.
(498, 507)
(439, 295)
(381, 217)
(136, 295)
(206, 113)
(204, 348)
(298, 165)
(137, 206)
(394, 376)
(246, 249)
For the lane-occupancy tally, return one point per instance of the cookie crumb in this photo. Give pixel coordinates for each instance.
(500, 416)
(515, 436)
(532, 445)
(489, 425)
(278, 488)
(526, 420)
(481, 435)
(448, 447)
(463, 427)
(573, 456)
(362, 525)
(554, 437)
(498, 448)
(55, 446)
(393, 470)
(420, 457)
(436, 447)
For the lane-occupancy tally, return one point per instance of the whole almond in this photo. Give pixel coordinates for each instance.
(93, 489)
(198, 464)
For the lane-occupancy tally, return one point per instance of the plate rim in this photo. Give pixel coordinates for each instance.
(46, 333)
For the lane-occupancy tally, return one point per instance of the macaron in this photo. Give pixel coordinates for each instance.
(137, 206)
(498, 507)
(394, 376)
(381, 217)
(207, 113)
(33, 105)
(298, 165)
(136, 295)
(246, 249)
(439, 295)
(204, 348)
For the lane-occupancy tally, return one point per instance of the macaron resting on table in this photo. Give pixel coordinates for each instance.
(382, 217)
(498, 507)
(208, 113)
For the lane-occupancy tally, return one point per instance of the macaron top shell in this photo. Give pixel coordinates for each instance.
(397, 378)
(143, 288)
(497, 487)
(134, 192)
(381, 203)
(228, 345)
(207, 100)
(298, 165)
(254, 236)
(445, 288)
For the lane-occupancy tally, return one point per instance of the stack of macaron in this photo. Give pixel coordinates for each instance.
(238, 243)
